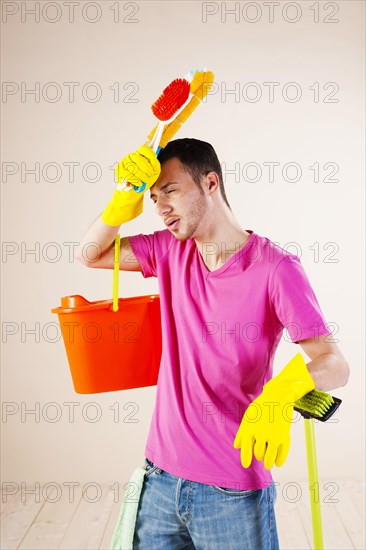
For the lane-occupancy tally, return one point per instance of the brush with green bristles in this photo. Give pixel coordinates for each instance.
(321, 406)
(317, 404)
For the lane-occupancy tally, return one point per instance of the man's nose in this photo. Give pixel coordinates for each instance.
(162, 207)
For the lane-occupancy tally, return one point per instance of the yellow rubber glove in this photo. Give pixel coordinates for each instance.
(265, 427)
(135, 168)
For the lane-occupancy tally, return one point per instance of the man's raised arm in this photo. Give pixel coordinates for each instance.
(97, 246)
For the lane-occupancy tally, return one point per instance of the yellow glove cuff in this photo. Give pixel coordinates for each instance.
(121, 210)
(293, 382)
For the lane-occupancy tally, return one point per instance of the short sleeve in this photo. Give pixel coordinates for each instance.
(294, 301)
(150, 250)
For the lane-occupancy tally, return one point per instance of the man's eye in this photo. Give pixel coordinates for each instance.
(166, 192)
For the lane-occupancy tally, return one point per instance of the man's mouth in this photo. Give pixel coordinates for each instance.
(173, 223)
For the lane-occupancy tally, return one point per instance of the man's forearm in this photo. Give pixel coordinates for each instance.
(328, 371)
(98, 238)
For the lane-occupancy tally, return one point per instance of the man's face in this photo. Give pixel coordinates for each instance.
(177, 197)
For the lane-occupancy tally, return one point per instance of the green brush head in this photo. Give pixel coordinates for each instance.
(317, 404)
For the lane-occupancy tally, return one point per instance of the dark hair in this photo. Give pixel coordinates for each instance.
(198, 158)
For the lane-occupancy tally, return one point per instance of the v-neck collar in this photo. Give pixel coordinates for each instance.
(229, 262)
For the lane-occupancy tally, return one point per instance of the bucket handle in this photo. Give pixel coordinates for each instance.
(117, 249)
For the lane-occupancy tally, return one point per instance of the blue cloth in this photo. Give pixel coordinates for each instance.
(176, 514)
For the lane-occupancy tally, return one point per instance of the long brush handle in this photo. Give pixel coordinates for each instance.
(117, 248)
(313, 484)
(154, 143)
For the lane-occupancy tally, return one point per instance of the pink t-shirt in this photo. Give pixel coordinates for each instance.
(220, 331)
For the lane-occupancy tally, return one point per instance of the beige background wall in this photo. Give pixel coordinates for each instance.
(320, 54)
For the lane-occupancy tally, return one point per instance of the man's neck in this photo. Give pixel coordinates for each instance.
(220, 245)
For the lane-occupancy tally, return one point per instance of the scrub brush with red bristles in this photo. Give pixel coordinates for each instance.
(174, 106)
(201, 82)
(165, 109)
(167, 106)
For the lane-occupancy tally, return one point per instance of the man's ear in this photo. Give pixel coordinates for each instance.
(212, 182)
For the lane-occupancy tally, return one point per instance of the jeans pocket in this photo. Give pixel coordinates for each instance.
(235, 492)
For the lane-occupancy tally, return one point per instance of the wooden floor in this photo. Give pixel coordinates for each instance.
(51, 517)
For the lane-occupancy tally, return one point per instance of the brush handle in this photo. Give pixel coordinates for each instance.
(117, 248)
(313, 484)
(154, 143)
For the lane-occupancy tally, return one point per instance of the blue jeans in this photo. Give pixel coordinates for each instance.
(175, 513)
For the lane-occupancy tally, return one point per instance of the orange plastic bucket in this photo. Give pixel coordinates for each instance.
(111, 350)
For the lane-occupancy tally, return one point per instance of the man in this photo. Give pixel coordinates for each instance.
(226, 295)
